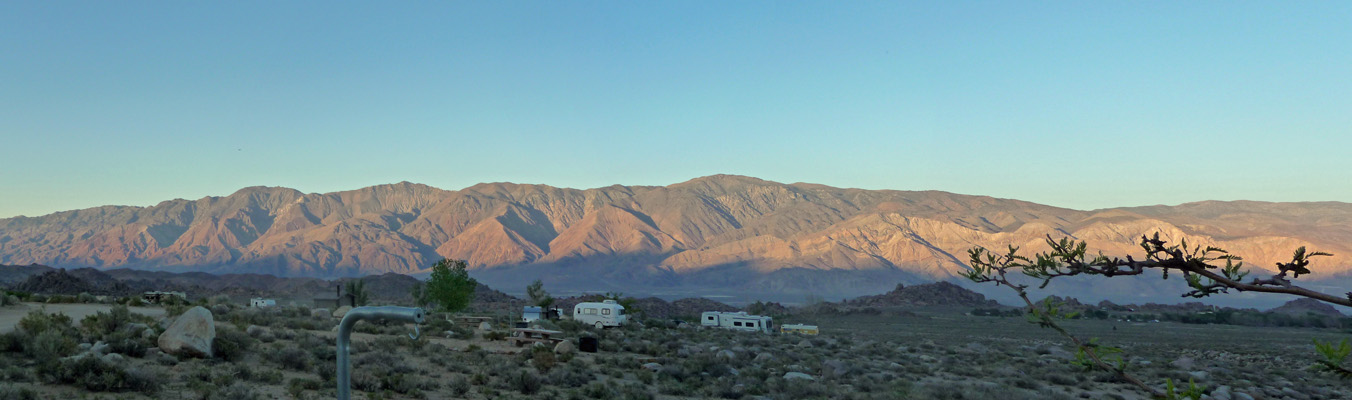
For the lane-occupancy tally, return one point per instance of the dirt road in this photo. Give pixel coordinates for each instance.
(10, 316)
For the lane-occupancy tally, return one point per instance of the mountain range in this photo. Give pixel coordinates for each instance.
(711, 235)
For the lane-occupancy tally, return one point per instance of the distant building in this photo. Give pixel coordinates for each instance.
(340, 299)
(158, 297)
(261, 302)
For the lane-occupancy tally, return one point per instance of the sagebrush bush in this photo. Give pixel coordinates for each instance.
(98, 376)
(524, 381)
(236, 391)
(12, 392)
(231, 344)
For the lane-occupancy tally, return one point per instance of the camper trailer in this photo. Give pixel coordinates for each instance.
(261, 302)
(737, 321)
(600, 315)
(532, 313)
(801, 329)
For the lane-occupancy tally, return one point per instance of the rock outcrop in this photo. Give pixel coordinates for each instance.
(190, 335)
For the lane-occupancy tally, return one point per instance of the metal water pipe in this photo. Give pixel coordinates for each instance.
(385, 313)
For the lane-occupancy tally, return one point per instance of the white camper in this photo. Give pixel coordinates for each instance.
(737, 321)
(600, 315)
(261, 302)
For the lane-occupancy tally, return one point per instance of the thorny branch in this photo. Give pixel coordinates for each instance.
(996, 273)
(1068, 258)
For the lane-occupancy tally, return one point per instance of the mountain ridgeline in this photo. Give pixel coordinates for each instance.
(713, 234)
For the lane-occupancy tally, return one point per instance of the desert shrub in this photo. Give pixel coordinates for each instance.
(128, 343)
(49, 346)
(101, 324)
(458, 385)
(98, 376)
(365, 380)
(231, 344)
(297, 386)
(407, 383)
(39, 321)
(495, 335)
(570, 326)
(524, 381)
(237, 391)
(542, 358)
(291, 358)
(7, 300)
(11, 392)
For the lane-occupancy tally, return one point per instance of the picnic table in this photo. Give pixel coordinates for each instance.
(468, 320)
(521, 336)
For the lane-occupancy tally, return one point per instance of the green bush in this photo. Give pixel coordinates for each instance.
(11, 392)
(49, 346)
(231, 344)
(95, 375)
(525, 382)
(237, 391)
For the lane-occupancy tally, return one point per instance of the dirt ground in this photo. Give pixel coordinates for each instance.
(10, 316)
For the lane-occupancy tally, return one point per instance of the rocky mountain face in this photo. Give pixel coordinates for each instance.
(717, 233)
(1302, 306)
(930, 294)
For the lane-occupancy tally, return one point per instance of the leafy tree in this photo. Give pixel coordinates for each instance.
(420, 295)
(1200, 267)
(630, 304)
(538, 295)
(450, 286)
(357, 288)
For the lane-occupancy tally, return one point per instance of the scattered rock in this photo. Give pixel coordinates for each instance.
(191, 334)
(1184, 363)
(99, 348)
(725, 354)
(112, 358)
(1200, 375)
(652, 366)
(485, 326)
(255, 330)
(1242, 396)
(148, 333)
(564, 347)
(341, 311)
(804, 343)
(835, 368)
(321, 313)
(798, 375)
(763, 357)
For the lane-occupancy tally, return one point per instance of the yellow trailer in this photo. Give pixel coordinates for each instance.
(799, 329)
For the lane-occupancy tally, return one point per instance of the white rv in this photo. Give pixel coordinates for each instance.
(600, 315)
(737, 321)
(261, 302)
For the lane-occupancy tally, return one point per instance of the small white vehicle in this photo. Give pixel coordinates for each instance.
(261, 302)
(737, 321)
(600, 315)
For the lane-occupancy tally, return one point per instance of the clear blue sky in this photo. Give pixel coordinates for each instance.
(1082, 104)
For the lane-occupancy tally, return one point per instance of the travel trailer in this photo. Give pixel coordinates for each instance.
(737, 321)
(532, 313)
(800, 329)
(261, 302)
(600, 315)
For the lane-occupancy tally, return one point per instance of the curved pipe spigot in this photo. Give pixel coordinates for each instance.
(385, 313)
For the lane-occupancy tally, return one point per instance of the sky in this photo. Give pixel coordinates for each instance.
(1083, 105)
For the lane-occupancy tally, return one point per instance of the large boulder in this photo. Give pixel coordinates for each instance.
(190, 335)
(341, 311)
(564, 347)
